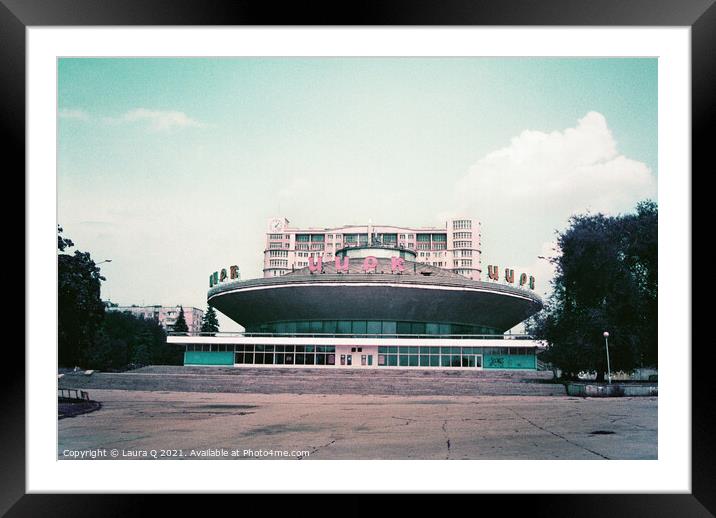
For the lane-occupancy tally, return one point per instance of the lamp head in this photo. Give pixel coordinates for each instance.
(606, 334)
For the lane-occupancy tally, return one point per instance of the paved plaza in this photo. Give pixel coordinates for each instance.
(363, 426)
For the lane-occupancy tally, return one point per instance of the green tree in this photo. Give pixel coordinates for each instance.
(605, 280)
(80, 309)
(127, 341)
(210, 323)
(180, 324)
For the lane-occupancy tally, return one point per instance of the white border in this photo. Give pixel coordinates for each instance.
(671, 473)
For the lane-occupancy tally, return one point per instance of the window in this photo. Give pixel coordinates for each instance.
(374, 327)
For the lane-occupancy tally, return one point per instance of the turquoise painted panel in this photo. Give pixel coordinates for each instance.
(511, 361)
(208, 358)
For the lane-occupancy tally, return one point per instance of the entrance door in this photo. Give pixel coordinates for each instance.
(472, 360)
(349, 359)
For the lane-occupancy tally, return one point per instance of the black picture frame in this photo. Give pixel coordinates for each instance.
(699, 15)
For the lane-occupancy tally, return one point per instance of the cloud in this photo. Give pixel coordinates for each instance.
(157, 120)
(554, 175)
(526, 190)
(72, 113)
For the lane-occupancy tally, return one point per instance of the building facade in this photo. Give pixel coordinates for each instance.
(370, 306)
(454, 247)
(165, 315)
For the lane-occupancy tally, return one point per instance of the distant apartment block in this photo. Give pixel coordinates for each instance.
(165, 315)
(454, 247)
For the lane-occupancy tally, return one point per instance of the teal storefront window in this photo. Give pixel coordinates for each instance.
(371, 327)
(374, 327)
(329, 326)
(389, 328)
(359, 327)
(316, 326)
(403, 328)
(303, 327)
(344, 327)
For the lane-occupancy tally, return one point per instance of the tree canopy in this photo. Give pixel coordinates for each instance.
(606, 276)
(210, 322)
(80, 308)
(127, 341)
(180, 324)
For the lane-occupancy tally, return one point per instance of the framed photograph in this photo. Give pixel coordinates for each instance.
(270, 236)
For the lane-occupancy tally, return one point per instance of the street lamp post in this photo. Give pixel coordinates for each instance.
(606, 344)
(105, 261)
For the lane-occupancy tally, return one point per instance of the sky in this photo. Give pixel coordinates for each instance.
(171, 168)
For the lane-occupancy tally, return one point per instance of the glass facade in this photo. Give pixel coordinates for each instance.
(387, 356)
(384, 328)
(286, 354)
(407, 356)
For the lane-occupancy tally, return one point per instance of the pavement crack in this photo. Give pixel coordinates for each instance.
(447, 438)
(557, 435)
(318, 448)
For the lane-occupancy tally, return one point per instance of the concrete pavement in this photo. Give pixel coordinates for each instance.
(322, 426)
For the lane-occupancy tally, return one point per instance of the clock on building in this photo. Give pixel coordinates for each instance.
(276, 225)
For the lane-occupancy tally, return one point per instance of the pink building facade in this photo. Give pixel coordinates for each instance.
(454, 247)
(165, 315)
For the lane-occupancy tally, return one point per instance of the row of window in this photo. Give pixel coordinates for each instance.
(461, 224)
(371, 327)
(398, 350)
(304, 238)
(453, 350)
(285, 358)
(414, 360)
(261, 348)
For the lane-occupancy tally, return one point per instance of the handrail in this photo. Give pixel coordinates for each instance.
(220, 334)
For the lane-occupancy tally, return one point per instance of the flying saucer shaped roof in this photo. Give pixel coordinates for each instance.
(420, 293)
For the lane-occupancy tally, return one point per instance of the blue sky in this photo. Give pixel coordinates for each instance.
(171, 167)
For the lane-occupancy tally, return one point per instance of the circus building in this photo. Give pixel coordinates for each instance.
(373, 304)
